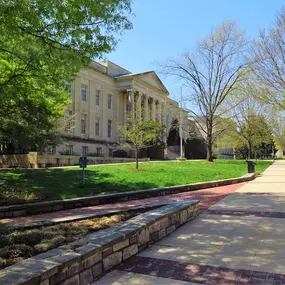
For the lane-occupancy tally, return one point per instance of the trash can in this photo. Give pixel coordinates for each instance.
(250, 166)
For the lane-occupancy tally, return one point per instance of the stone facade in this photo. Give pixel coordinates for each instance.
(101, 97)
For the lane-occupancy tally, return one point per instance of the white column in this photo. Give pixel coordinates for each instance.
(139, 106)
(153, 109)
(159, 112)
(146, 113)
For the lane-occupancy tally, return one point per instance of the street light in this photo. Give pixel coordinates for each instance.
(180, 128)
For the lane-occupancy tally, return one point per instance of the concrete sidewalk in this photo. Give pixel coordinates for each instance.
(239, 240)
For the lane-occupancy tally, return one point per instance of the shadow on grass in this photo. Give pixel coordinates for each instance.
(20, 186)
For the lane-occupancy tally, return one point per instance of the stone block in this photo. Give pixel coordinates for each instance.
(154, 227)
(97, 270)
(86, 276)
(183, 217)
(121, 245)
(164, 223)
(91, 260)
(190, 212)
(8, 214)
(26, 278)
(88, 249)
(112, 260)
(142, 247)
(161, 233)
(58, 207)
(55, 279)
(143, 237)
(174, 219)
(72, 281)
(170, 229)
(133, 239)
(153, 237)
(130, 251)
(73, 269)
(107, 251)
(19, 213)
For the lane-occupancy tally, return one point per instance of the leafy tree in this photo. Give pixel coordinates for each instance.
(43, 45)
(256, 137)
(139, 135)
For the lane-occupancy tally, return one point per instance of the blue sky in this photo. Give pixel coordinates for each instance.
(166, 28)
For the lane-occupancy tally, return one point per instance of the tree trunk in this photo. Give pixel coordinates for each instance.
(137, 160)
(249, 151)
(210, 147)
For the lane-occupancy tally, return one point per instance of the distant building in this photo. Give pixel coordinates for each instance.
(101, 96)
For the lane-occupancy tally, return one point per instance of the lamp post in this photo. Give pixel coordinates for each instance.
(180, 128)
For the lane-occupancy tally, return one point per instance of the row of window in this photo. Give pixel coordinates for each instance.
(85, 150)
(97, 97)
(97, 126)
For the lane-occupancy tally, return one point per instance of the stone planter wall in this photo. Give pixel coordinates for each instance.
(51, 206)
(36, 160)
(89, 258)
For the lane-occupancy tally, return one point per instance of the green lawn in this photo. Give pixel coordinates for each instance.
(64, 183)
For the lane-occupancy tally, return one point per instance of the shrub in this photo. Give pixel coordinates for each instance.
(47, 244)
(97, 154)
(15, 251)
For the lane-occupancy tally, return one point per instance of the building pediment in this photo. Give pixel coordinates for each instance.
(148, 79)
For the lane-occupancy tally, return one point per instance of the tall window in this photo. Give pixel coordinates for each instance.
(83, 124)
(84, 150)
(69, 149)
(109, 128)
(99, 149)
(110, 98)
(68, 86)
(97, 127)
(97, 99)
(110, 152)
(84, 93)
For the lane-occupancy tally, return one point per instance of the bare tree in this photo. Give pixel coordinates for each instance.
(211, 73)
(268, 53)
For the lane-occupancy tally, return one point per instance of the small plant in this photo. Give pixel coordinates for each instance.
(97, 154)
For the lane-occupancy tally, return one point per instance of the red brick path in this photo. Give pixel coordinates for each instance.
(207, 198)
(204, 274)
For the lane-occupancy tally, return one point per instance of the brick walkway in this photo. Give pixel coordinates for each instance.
(207, 198)
(239, 240)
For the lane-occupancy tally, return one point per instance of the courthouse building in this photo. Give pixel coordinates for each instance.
(101, 96)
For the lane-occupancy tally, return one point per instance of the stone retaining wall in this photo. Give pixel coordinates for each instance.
(36, 160)
(51, 206)
(88, 259)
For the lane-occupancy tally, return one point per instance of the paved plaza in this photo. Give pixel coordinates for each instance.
(238, 240)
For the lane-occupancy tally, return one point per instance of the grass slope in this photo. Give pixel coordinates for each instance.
(62, 183)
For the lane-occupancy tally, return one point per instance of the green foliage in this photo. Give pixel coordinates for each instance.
(96, 154)
(256, 139)
(138, 135)
(43, 45)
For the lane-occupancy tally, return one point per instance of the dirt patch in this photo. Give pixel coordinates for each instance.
(18, 245)
(209, 162)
